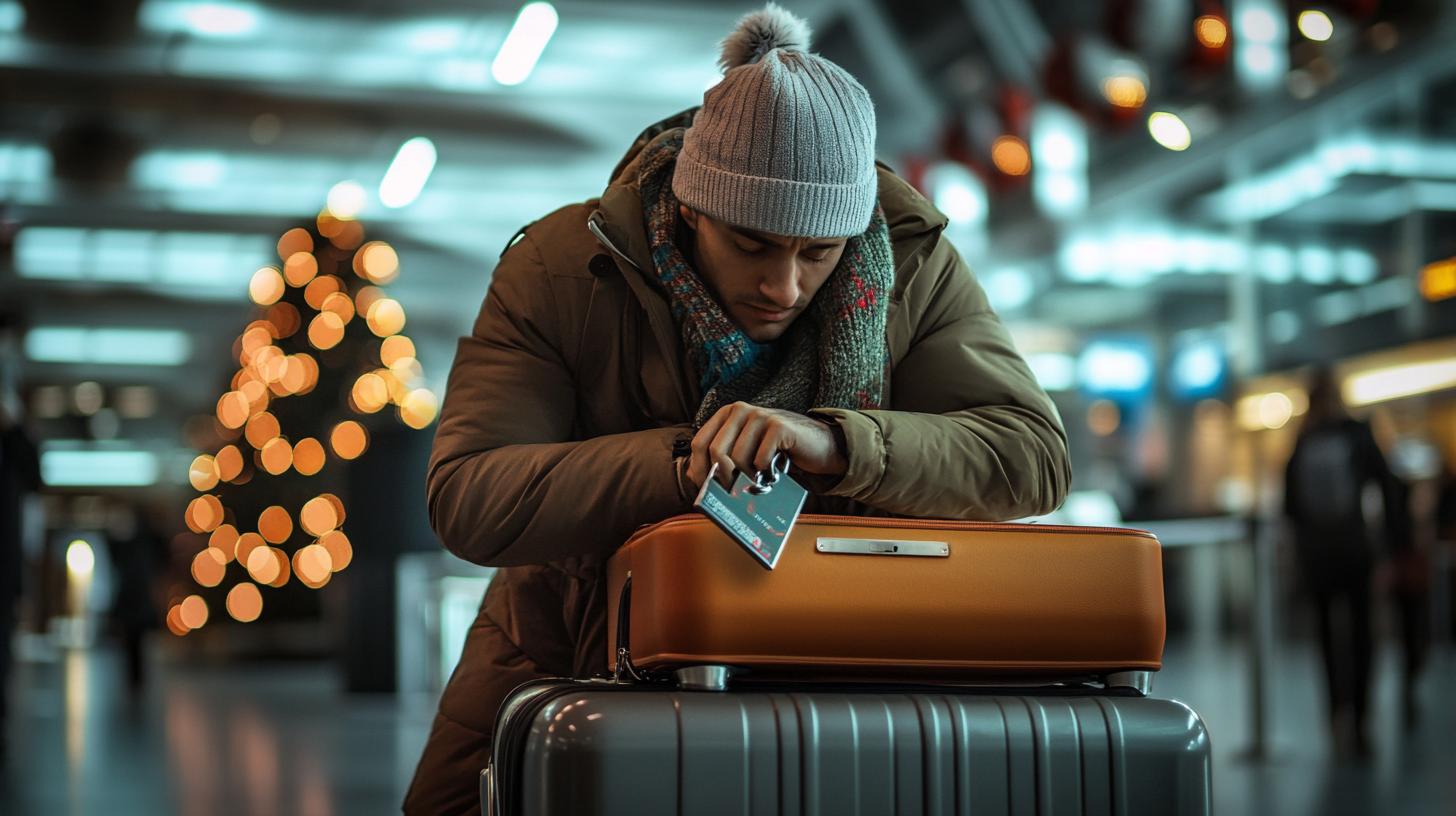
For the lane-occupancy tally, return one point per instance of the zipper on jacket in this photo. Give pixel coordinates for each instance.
(591, 224)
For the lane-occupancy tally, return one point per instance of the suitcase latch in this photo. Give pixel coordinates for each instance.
(872, 546)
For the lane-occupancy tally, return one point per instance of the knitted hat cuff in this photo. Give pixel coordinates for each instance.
(778, 206)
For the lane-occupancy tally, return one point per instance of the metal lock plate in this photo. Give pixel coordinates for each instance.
(872, 546)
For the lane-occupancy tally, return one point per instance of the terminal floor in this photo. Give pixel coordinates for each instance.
(283, 740)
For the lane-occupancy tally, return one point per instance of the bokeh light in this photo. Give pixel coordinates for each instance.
(275, 525)
(263, 565)
(208, 567)
(204, 514)
(174, 621)
(385, 317)
(1169, 131)
(1103, 417)
(204, 473)
(300, 268)
(245, 602)
(193, 612)
(1011, 156)
(1125, 91)
(367, 297)
(284, 318)
(294, 241)
(419, 408)
(247, 542)
(308, 456)
(320, 288)
(255, 338)
(377, 262)
(340, 304)
(310, 372)
(338, 506)
(348, 439)
(277, 456)
(266, 286)
(318, 516)
(225, 540)
(325, 330)
(349, 236)
(1211, 31)
(313, 565)
(284, 571)
(341, 552)
(229, 462)
(232, 409)
(395, 348)
(370, 393)
(261, 430)
(1316, 25)
(347, 199)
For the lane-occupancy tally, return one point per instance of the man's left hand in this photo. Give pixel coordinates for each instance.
(746, 437)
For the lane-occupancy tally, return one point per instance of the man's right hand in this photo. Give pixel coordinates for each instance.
(744, 438)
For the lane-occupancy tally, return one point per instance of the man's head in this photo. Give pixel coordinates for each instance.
(776, 173)
(762, 280)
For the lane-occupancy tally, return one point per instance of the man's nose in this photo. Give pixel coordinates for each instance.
(781, 284)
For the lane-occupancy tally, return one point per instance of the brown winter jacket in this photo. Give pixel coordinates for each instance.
(556, 438)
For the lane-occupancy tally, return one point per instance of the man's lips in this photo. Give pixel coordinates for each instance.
(768, 315)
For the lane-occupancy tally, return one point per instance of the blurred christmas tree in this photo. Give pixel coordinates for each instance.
(319, 364)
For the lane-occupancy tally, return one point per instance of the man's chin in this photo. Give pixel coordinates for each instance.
(767, 332)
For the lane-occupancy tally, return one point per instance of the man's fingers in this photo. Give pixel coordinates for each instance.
(720, 448)
(701, 460)
(776, 438)
(750, 438)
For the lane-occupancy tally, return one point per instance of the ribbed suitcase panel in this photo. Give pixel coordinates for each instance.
(831, 754)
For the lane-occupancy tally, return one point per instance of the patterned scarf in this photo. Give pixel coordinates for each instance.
(834, 354)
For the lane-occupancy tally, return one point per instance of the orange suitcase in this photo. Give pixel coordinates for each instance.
(900, 599)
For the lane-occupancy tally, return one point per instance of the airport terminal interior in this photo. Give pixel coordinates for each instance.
(240, 240)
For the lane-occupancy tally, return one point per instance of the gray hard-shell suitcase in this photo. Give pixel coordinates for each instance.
(596, 748)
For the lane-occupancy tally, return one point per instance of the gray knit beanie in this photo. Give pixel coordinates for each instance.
(785, 143)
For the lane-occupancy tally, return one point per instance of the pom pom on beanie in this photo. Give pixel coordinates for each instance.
(762, 31)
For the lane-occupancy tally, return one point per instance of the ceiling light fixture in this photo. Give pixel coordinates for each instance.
(1169, 131)
(523, 45)
(408, 173)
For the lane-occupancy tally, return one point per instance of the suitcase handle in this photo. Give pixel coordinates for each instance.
(625, 668)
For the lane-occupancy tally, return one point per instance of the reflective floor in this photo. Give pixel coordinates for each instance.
(282, 739)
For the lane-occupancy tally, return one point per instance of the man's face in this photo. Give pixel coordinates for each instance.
(763, 281)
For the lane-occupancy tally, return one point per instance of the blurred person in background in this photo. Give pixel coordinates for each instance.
(136, 552)
(728, 297)
(19, 475)
(1335, 461)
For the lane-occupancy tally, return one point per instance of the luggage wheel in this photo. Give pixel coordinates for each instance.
(1142, 681)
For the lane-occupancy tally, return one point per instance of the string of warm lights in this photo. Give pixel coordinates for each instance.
(268, 373)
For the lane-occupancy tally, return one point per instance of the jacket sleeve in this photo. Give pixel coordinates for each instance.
(970, 434)
(508, 485)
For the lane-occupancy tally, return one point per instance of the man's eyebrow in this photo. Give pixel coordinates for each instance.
(765, 238)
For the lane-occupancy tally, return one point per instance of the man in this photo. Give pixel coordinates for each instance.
(752, 284)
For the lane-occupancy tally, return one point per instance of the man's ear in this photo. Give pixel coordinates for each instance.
(689, 216)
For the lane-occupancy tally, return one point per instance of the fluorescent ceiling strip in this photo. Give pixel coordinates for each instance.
(1320, 172)
(408, 173)
(523, 46)
(99, 468)
(1394, 382)
(189, 260)
(58, 344)
(220, 19)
